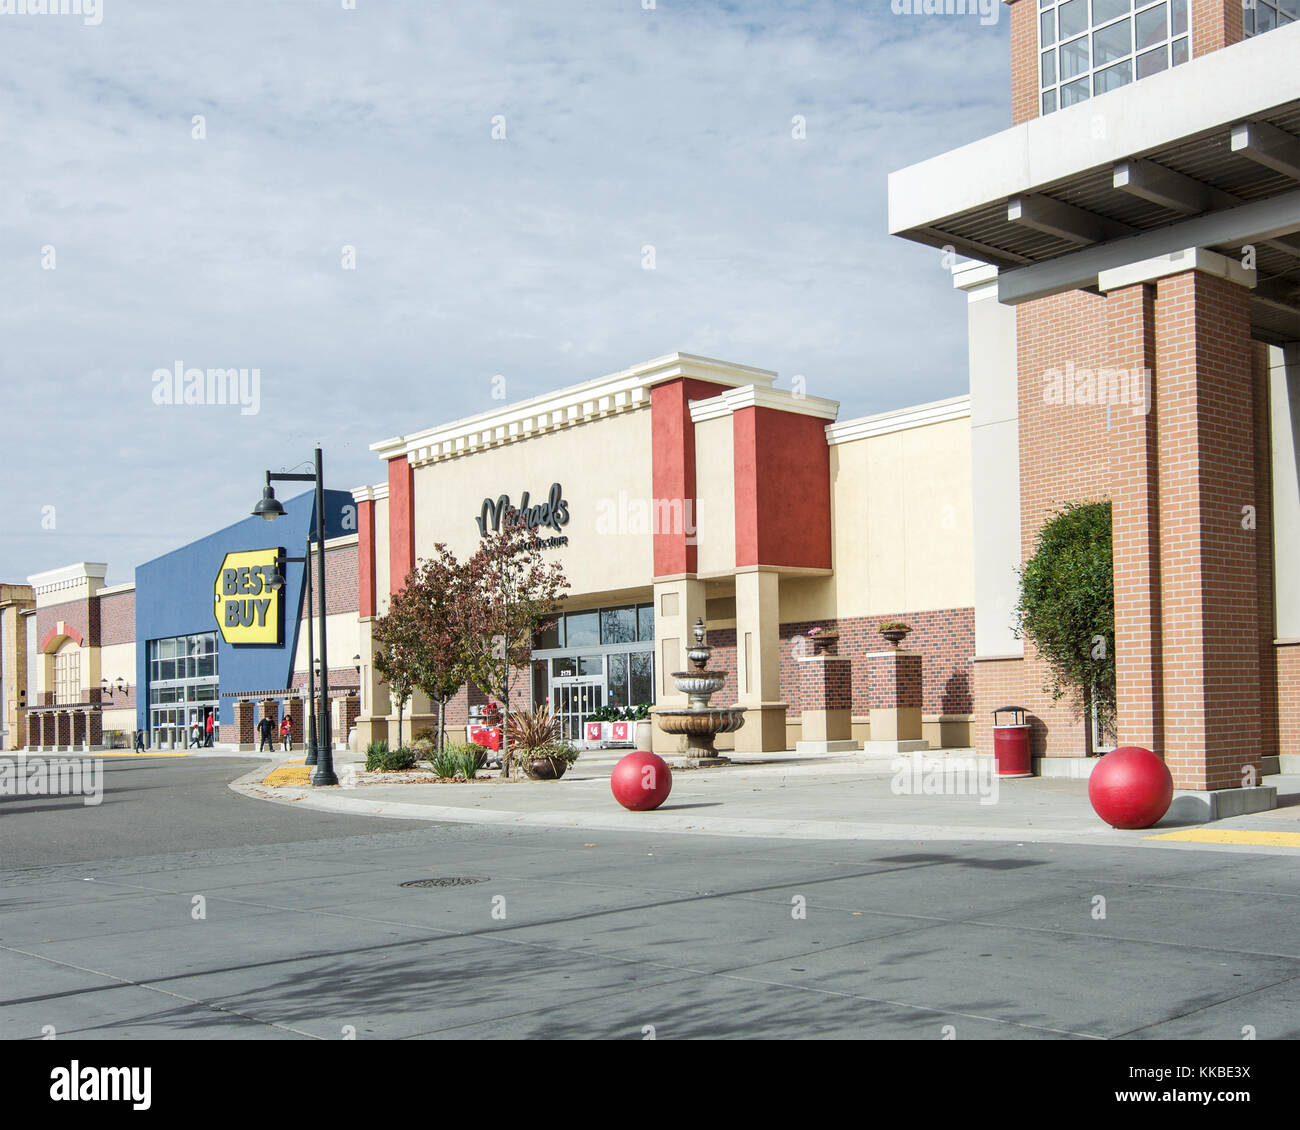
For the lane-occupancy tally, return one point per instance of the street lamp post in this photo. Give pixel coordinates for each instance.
(310, 745)
(270, 509)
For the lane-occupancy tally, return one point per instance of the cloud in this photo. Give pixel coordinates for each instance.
(373, 129)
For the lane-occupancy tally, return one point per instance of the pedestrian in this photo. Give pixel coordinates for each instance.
(194, 732)
(209, 725)
(139, 742)
(266, 731)
(286, 733)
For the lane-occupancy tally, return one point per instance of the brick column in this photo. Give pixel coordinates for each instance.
(78, 729)
(1135, 520)
(95, 728)
(351, 712)
(63, 728)
(894, 698)
(33, 731)
(296, 715)
(1210, 619)
(825, 703)
(245, 725)
(269, 708)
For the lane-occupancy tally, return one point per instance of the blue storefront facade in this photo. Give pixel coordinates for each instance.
(184, 667)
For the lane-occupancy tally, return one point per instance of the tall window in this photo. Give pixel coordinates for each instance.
(183, 684)
(67, 674)
(1087, 47)
(1260, 16)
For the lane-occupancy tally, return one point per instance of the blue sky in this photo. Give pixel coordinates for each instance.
(475, 256)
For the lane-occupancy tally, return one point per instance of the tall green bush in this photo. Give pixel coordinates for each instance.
(1067, 609)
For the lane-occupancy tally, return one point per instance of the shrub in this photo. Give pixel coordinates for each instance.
(379, 758)
(446, 763)
(1067, 609)
(530, 732)
(458, 761)
(472, 758)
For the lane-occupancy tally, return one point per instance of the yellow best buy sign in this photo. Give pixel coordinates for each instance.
(247, 608)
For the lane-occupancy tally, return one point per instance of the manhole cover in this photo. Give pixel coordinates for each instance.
(446, 881)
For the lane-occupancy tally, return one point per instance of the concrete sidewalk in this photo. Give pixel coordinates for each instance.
(785, 796)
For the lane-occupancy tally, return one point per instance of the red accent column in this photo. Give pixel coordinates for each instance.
(673, 465)
(366, 558)
(401, 522)
(783, 489)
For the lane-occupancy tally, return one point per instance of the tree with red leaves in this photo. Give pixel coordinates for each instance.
(423, 633)
(512, 592)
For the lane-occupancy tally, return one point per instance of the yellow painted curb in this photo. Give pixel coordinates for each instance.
(1232, 836)
(124, 753)
(294, 773)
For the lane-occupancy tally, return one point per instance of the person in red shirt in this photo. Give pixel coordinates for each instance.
(286, 733)
(208, 727)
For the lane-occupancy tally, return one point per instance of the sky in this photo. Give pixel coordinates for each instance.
(180, 184)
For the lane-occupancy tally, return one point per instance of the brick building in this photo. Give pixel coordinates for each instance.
(695, 488)
(104, 661)
(1133, 275)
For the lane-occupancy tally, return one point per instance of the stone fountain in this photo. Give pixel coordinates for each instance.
(700, 722)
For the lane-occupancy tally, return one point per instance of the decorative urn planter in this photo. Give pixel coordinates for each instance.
(546, 768)
(895, 635)
(645, 732)
(824, 642)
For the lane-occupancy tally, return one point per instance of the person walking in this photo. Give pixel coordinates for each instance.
(286, 733)
(266, 731)
(139, 742)
(208, 726)
(194, 732)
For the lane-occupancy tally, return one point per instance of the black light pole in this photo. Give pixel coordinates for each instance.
(270, 509)
(309, 742)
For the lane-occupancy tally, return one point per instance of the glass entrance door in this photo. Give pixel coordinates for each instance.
(577, 691)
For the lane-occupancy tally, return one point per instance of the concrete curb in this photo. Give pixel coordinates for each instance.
(666, 821)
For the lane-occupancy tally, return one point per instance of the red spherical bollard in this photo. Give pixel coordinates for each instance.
(641, 781)
(1130, 787)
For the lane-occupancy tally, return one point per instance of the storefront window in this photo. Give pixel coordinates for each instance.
(1260, 16)
(618, 625)
(183, 686)
(1088, 50)
(581, 629)
(645, 621)
(67, 674)
(642, 688)
(617, 681)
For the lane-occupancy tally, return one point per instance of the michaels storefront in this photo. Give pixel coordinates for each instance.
(689, 488)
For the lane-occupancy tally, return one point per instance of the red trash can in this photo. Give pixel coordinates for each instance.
(1011, 744)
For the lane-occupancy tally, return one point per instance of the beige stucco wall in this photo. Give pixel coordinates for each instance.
(604, 468)
(342, 641)
(901, 527)
(715, 488)
(118, 660)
